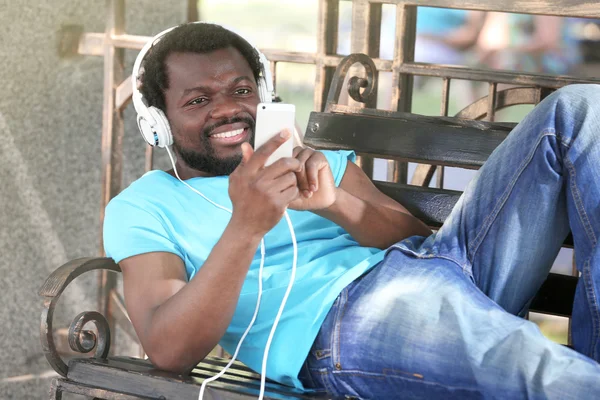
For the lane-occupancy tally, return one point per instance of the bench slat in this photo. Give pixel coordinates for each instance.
(408, 137)
(138, 377)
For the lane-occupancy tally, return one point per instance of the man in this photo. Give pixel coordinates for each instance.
(434, 315)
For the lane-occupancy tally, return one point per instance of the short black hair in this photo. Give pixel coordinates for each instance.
(189, 38)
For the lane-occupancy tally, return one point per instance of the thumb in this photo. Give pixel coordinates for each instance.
(247, 152)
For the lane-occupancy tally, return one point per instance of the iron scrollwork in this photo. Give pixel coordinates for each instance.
(362, 90)
(80, 340)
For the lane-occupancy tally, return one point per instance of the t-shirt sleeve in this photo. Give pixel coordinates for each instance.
(130, 230)
(338, 161)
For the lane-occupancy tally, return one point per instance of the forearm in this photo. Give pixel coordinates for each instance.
(185, 328)
(372, 225)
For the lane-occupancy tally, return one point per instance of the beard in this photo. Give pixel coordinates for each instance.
(206, 160)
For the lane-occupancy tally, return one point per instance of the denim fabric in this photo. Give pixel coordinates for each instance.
(438, 317)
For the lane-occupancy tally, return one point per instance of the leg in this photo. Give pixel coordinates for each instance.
(508, 227)
(418, 328)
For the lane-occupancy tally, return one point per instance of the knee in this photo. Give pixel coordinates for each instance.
(580, 93)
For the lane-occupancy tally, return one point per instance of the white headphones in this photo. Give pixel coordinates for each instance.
(152, 121)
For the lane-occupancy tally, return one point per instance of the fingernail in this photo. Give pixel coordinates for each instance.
(284, 134)
(306, 193)
(313, 188)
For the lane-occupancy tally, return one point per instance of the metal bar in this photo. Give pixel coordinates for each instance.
(491, 101)
(483, 75)
(571, 8)
(112, 141)
(402, 81)
(402, 84)
(326, 46)
(445, 97)
(441, 170)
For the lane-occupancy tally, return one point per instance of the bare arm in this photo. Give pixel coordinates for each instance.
(178, 323)
(371, 217)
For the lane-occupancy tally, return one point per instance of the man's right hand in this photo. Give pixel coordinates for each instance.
(260, 195)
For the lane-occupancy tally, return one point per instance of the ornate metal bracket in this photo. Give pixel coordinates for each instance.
(362, 90)
(80, 340)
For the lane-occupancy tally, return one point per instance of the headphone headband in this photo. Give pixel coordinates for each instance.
(152, 122)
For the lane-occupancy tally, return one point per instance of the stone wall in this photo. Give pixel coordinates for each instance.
(50, 126)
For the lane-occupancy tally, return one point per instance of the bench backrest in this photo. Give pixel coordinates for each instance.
(463, 141)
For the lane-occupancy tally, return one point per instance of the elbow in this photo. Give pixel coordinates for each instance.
(171, 361)
(176, 359)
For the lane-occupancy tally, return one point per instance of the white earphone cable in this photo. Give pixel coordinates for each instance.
(258, 299)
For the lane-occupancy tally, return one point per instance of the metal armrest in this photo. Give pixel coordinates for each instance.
(82, 341)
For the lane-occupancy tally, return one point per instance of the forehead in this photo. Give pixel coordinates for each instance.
(219, 66)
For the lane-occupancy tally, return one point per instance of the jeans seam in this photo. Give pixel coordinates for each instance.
(324, 374)
(376, 375)
(335, 345)
(489, 220)
(585, 221)
(464, 267)
(589, 289)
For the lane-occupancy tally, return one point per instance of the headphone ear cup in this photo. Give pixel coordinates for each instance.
(146, 130)
(162, 127)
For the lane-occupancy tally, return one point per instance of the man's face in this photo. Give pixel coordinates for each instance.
(211, 106)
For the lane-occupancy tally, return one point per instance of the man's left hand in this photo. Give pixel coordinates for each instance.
(315, 181)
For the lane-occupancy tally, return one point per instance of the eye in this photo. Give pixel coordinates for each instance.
(243, 91)
(198, 100)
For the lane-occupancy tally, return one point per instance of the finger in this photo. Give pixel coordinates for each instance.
(290, 194)
(297, 150)
(303, 185)
(247, 152)
(315, 164)
(262, 154)
(283, 183)
(280, 167)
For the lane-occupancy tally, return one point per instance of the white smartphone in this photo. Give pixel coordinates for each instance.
(272, 118)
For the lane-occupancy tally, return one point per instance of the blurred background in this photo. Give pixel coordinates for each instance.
(51, 121)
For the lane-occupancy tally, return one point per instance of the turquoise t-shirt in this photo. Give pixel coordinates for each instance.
(159, 213)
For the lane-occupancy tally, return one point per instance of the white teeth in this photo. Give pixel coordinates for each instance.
(229, 134)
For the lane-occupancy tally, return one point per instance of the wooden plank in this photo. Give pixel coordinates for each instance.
(573, 8)
(137, 377)
(408, 137)
(123, 93)
(430, 205)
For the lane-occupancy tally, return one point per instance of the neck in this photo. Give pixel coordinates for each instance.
(185, 172)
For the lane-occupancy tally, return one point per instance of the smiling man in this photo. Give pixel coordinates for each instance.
(433, 315)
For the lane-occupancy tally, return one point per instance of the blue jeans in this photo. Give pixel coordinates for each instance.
(439, 317)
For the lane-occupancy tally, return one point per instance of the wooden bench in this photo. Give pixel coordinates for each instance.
(372, 133)
(401, 136)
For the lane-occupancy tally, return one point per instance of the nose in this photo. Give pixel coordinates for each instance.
(224, 106)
